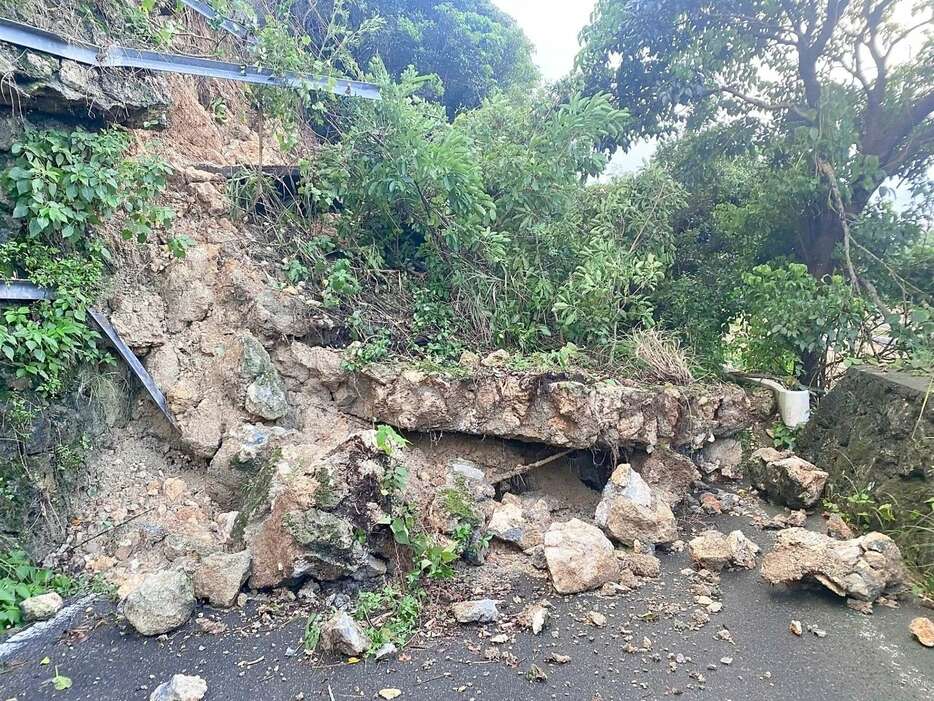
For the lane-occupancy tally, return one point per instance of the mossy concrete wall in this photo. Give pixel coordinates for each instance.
(875, 430)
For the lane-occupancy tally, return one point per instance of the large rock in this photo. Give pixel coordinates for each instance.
(579, 557)
(520, 521)
(725, 454)
(246, 450)
(712, 550)
(671, 474)
(862, 568)
(180, 687)
(565, 410)
(631, 510)
(343, 634)
(41, 607)
(163, 602)
(218, 578)
(307, 515)
(788, 479)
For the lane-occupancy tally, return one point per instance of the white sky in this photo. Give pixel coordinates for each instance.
(552, 25)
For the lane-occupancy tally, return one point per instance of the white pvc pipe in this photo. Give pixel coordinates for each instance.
(794, 405)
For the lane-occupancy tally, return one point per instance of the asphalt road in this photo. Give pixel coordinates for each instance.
(861, 657)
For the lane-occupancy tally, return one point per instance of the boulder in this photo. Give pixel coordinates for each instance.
(343, 634)
(478, 611)
(785, 477)
(163, 602)
(246, 450)
(861, 568)
(579, 557)
(218, 578)
(631, 510)
(311, 515)
(670, 473)
(712, 550)
(180, 688)
(41, 607)
(520, 521)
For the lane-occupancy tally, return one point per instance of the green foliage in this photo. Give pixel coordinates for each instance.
(20, 579)
(388, 440)
(783, 437)
(473, 47)
(312, 633)
(790, 315)
(391, 615)
(63, 185)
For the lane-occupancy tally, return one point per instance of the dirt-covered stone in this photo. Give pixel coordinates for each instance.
(41, 607)
(787, 478)
(520, 521)
(478, 611)
(712, 550)
(302, 515)
(669, 472)
(180, 687)
(343, 634)
(862, 568)
(630, 510)
(163, 602)
(579, 557)
(218, 578)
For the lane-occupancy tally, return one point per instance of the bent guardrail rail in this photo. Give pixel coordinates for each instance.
(41, 40)
(25, 291)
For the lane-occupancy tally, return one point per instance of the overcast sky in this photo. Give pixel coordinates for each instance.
(553, 26)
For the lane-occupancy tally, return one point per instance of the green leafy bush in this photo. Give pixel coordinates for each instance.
(793, 319)
(63, 185)
(20, 579)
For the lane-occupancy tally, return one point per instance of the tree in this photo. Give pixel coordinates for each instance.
(473, 47)
(844, 89)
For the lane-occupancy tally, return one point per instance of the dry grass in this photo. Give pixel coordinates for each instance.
(663, 356)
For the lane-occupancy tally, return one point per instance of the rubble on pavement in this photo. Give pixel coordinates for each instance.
(787, 478)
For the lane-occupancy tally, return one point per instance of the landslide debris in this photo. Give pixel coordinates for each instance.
(863, 568)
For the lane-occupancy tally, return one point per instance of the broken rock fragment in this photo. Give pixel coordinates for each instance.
(787, 478)
(41, 607)
(163, 602)
(579, 556)
(631, 510)
(219, 577)
(861, 568)
(478, 611)
(838, 528)
(640, 564)
(923, 630)
(180, 687)
(342, 634)
(712, 550)
(518, 521)
(668, 472)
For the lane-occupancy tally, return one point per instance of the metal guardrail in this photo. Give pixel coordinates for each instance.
(225, 23)
(30, 37)
(25, 291)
